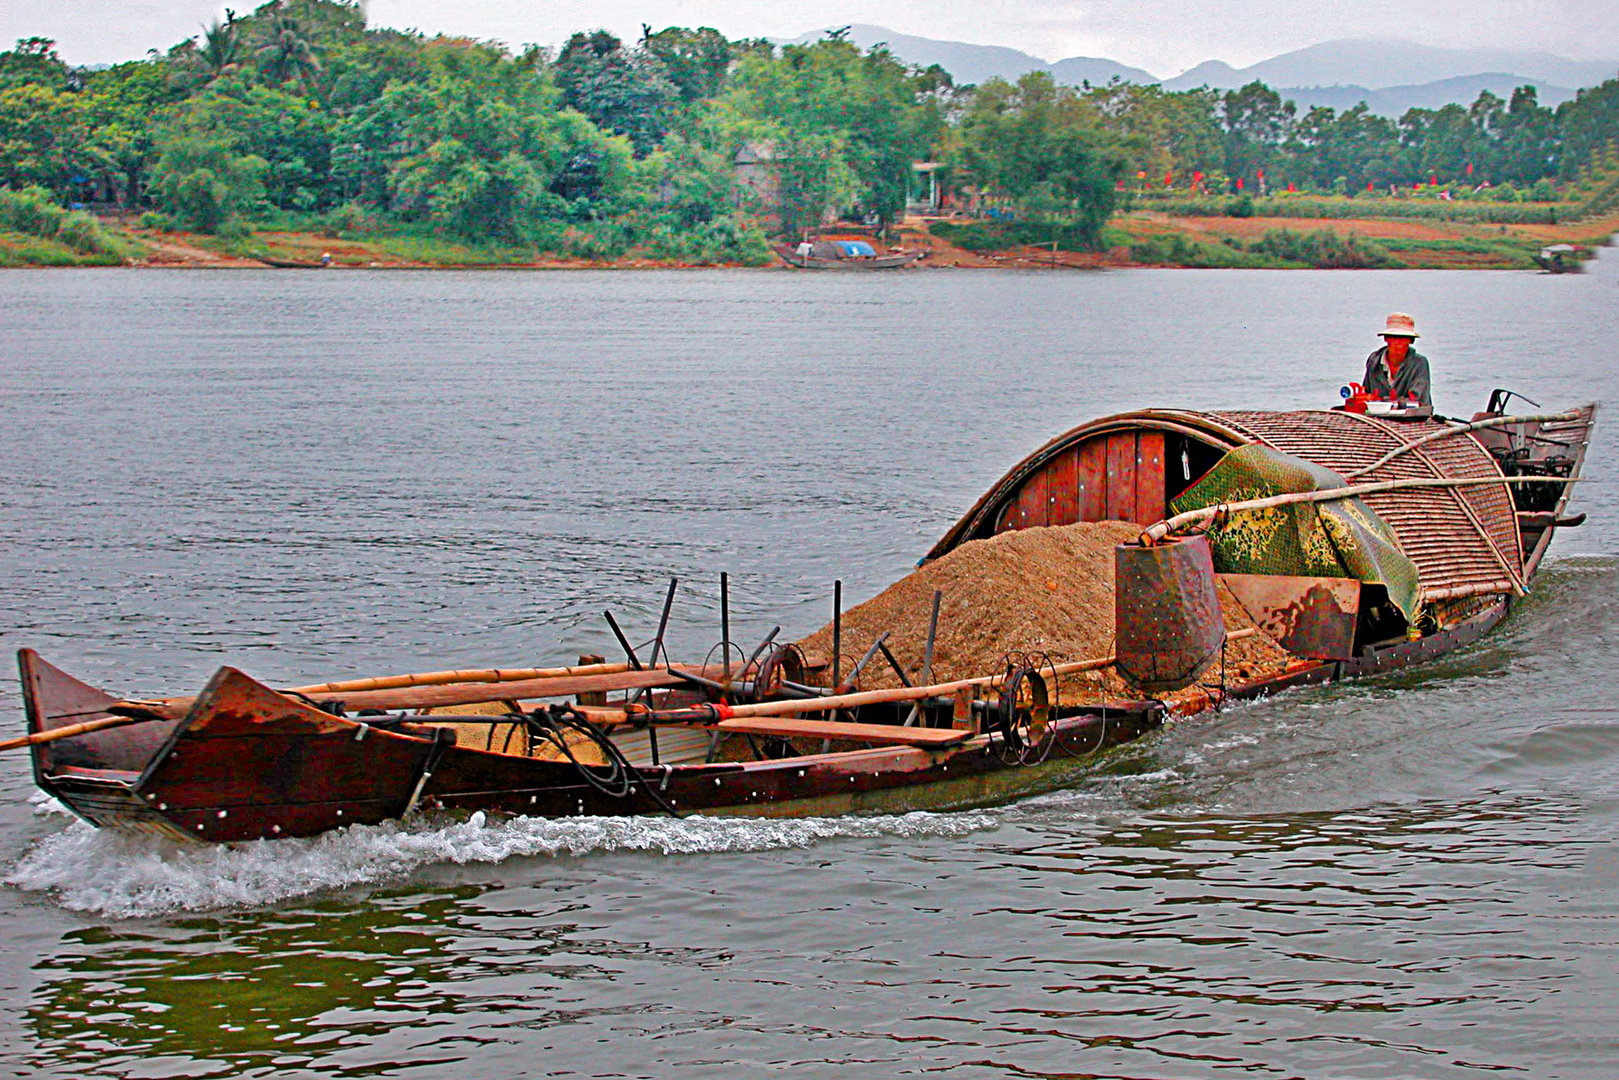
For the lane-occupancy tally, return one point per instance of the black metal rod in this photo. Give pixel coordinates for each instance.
(927, 657)
(893, 663)
(663, 624)
(725, 621)
(763, 645)
(629, 651)
(711, 684)
(837, 631)
(933, 633)
(864, 660)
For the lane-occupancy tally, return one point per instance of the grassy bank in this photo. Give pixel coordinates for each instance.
(1156, 238)
(1137, 238)
(35, 231)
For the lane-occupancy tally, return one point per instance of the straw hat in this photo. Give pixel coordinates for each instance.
(1401, 325)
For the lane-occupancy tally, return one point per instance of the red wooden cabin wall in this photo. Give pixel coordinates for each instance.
(1118, 477)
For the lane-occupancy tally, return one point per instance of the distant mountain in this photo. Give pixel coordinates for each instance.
(1078, 70)
(971, 64)
(1213, 73)
(1390, 76)
(1377, 64)
(1395, 100)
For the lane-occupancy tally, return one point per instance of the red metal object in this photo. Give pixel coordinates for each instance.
(1166, 613)
(1312, 617)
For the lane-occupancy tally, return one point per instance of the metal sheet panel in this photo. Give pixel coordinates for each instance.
(1307, 616)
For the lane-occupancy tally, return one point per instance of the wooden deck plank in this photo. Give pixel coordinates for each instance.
(1121, 476)
(1062, 489)
(1091, 487)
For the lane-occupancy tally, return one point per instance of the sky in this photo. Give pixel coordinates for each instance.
(1163, 36)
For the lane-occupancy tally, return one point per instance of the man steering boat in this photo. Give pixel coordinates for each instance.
(1397, 372)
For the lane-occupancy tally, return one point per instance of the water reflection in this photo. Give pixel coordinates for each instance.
(323, 987)
(1305, 944)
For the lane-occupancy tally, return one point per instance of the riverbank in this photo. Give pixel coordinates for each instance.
(1136, 239)
(1156, 239)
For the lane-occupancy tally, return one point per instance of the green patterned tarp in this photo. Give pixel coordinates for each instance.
(1342, 538)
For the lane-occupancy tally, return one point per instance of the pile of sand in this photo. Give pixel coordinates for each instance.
(1042, 590)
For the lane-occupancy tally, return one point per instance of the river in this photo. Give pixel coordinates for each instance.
(317, 474)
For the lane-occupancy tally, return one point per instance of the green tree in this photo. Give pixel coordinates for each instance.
(1163, 133)
(1044, 146)
(220, 48)
(626, 91)
(203, 182)
(1588, 124)
(285, 52)
(43, 138)
(1258, 123)
(34, 62)
(1353, 148)
(293, 135)
(841, 127)
(1528, 139)
(697, 61)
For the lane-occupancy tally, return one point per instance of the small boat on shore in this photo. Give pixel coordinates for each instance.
(278, 263)
(852, 253)
(1561, 259)
(1202, 557)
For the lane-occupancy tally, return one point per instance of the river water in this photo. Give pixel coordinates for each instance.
(310, 475)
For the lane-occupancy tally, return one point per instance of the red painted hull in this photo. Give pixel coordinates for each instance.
(249, 763)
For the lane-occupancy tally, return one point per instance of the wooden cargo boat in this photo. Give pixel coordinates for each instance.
(1472, 507)
(854, 253)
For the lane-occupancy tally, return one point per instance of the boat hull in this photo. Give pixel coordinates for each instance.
(248, 763)
(876, 262)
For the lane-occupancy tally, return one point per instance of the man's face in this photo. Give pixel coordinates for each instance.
(1398, 347)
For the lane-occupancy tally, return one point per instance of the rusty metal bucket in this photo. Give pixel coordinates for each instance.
(1166, 612)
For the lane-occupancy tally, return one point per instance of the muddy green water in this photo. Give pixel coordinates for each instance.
(315, 474)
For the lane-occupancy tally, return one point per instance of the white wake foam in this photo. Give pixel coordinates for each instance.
(97, 870)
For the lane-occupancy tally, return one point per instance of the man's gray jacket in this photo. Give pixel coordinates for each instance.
(1412, 378)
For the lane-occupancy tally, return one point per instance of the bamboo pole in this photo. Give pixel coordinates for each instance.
(1459, 429)
(1155, 533)
(444, 678)
(73, 729)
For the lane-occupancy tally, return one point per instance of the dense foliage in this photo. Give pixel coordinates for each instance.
(688, 145)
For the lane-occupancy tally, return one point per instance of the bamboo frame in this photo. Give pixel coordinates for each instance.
(1460, 429)
(1156, 533)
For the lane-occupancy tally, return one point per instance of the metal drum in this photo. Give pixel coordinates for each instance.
(1166, 612)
